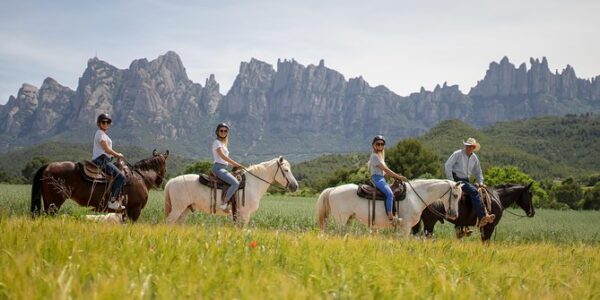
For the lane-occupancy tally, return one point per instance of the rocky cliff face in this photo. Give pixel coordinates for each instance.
(292, 108)
(508, 93)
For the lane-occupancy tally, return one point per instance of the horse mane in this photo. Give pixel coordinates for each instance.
(154, 163)
(508, 185)
(260, 166)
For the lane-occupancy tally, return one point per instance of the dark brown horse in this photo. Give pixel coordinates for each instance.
(55, 182)
(508, 194)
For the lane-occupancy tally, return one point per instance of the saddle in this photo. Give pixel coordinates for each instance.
(91, 172)
(215, 183)
(486, 195)
(366, 191)
(211, 180)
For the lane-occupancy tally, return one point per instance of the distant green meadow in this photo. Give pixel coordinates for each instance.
(283, 254)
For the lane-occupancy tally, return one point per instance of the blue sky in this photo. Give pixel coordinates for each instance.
(401, 44)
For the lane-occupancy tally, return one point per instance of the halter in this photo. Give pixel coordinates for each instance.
(431, 209)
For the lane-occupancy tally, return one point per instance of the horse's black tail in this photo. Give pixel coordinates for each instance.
(36, 191)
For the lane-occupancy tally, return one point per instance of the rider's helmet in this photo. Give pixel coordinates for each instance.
(378, 138)
(103, 117)
(221, 125)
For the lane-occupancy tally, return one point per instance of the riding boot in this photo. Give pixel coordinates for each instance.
(487, 219)
(223, 206)
(114, 204)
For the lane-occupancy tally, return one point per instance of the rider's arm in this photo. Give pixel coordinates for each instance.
(389, 172)
(226, 158)
(109, 150)
(449, 164)
(477, 172)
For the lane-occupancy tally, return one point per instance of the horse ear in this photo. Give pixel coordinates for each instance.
(154, 152)
(167, 153)
(529, 185)
(281, 159)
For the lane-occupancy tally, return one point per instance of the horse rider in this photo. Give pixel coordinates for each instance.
(102, 155)
(459, 167)
(378, 169)
(222, 161)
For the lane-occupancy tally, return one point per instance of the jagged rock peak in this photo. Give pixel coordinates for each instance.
(50, 81)
(27, 87)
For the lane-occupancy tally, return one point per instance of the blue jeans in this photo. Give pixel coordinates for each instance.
(220, 171)
(471, 190)
(383, 186)
(106, 165)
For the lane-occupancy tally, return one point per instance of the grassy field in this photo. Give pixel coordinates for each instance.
(282, 255)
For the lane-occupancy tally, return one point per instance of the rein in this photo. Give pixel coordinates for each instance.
(136, 170)
(431, 209)
(514, 214)
(274, 176)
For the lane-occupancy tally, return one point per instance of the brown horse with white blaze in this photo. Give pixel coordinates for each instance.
(58, 181)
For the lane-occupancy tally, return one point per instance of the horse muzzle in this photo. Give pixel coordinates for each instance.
(452, 215)
(292, 186)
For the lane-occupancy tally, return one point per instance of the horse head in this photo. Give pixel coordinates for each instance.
(453, 199)
(284, 176)
(157, 164)
(525, 200)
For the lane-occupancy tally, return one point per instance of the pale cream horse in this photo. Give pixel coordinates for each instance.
(184, 194)
(343, 204)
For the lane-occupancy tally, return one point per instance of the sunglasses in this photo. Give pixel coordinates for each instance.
(223, 131)
(379, 144)
(105, 122)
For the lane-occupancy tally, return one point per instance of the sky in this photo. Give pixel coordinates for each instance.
(404, 45)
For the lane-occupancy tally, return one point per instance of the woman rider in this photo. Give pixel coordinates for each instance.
(222, 160)
(378, 169)
(102, 155)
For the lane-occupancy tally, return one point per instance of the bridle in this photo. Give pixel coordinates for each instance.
(279, 169)
(526, 213)
(431, 209)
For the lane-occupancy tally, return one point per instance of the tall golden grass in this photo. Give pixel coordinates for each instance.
(68, 257)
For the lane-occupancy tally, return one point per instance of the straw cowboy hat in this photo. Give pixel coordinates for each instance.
(472, 142)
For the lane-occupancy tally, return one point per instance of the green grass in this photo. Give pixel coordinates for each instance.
(282, 254)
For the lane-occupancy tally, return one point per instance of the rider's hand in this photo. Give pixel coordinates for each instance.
(119, 155)
(402, 178)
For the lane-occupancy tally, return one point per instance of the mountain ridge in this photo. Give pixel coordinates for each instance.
(292, 109)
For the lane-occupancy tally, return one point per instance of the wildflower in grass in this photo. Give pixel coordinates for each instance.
(253, 244)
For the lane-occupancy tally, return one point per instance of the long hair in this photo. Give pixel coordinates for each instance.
(224, 140)
(381, 156)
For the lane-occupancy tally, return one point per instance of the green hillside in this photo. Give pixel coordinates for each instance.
(545, 148)
(14, 161)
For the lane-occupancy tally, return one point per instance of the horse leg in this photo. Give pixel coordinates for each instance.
(176, 214)
(183, 216)
(486, 232)
(133, 213)
(52, 199)
(428, 227)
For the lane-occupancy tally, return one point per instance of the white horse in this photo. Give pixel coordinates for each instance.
(343, 204)
(184, 193)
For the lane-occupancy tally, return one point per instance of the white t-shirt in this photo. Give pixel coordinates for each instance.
(216, 158)
(98, 150)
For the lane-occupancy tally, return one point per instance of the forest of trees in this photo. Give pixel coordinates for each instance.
(558, 154)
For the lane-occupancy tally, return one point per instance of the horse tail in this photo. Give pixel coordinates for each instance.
(36, 191)
(323, 207)
(168, 205)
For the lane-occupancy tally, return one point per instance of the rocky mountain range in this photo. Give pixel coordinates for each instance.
(296, 110)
